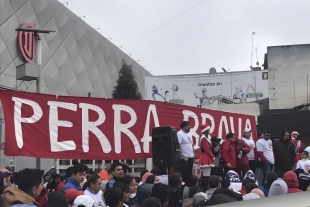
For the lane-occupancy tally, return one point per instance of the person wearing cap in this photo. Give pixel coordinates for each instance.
(299, 147)
(206, 157)
(252, 154)
(187, 150)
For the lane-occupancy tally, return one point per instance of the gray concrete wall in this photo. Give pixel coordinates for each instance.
(76, 59)
(289, 71)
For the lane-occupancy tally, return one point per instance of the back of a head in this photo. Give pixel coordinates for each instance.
(161, 192)
(57, 199)
(113, 196)
(246, 181)
(29, 178)
(214, 181)
(225, 183)
(150, 179)
(192, 180)
(193, 190)
(250, 186)
(175, 180)
(221, 199)
(125, 168)
(143, 172)
(121, 186)
(155, 171)
(278, 187)
(79, 167)
(69, 172)
(151, 202)
(198, 197)
(271, 177)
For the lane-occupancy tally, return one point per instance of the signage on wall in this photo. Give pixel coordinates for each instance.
(26, 42)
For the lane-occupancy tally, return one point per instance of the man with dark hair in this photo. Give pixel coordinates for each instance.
(284, 153)
(151, 202)
(79, 171)
(186, 150)
(244, 183)
(30, 185)
(117, 172)
(222, 195)
(114, 197)
(175, 184)
(265, 157)
(228, 152)
(214, 183)
(270, 178)
(162, 193)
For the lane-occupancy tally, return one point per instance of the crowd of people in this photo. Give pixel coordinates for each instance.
(231, 170)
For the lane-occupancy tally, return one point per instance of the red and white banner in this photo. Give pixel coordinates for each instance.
(50, 126)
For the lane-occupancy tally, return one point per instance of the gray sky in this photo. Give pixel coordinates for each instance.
(216, 33)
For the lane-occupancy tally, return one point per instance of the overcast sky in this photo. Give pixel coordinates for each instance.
(191, 36)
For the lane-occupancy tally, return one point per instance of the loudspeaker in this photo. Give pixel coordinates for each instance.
(165, 146)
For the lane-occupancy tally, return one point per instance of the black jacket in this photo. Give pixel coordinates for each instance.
(284, 153)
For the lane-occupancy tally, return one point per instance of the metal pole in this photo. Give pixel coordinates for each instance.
(252, 51)
(2, 139)
(38, 62)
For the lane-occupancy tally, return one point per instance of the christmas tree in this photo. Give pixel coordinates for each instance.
(127, 87)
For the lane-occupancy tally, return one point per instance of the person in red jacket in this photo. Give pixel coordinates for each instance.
(228, 153)
(299, 147)
(291, 180)
(206, 157)
(242, 149)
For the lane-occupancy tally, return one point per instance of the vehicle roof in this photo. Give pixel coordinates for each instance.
(288, 200)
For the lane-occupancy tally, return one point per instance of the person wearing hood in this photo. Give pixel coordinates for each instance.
(299, 147)
(206, 157)
(30, 185)
(291, 180)
(270, 178)
(52, 185)
(250, 196)
(278, 187)
(284, 153)
(79, 171)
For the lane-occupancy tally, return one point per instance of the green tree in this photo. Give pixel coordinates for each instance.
(127, 87)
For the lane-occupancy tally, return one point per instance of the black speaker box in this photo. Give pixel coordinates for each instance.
(165, 146)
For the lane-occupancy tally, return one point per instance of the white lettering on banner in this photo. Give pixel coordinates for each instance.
(232, 124)
(18, 120)
(146, 139)
(248, 124)
(223, 121)
(239, 128)
(204, 117)
(119, 127)
(186, 115)
(54, 123)
(88, 126)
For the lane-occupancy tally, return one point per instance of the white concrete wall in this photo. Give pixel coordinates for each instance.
(289, 74)
(247, 108)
